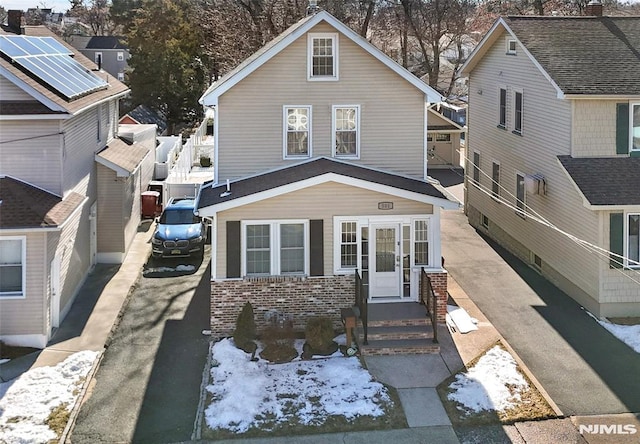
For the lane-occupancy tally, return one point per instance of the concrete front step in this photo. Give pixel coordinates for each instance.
(399, 347)
(400, 332)
(399, 322)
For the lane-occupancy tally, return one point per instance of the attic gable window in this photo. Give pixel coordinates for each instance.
(511, 47)
(322, 57)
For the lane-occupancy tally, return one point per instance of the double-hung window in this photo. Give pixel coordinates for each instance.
(476, 168)
(502, 108)
(517, 112)
(12, 267)
(275, 248)
(346, 130)
(421, 242)
(634, 120)
(633, 240)
(322, 57)
(520, 195)
(495, 180)
(297, 131)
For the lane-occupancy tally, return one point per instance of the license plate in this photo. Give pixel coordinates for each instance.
(175, 251)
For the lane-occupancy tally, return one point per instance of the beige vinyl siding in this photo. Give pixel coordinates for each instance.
(250, 116)
(110, 205)
(27, 316)
(594, 128)
(32, 152)
(81, 144)
(618, 287)
(318, 202)
(12, 92)
(546, 134)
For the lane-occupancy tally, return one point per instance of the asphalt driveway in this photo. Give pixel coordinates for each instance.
(148, 385)
(584, 368)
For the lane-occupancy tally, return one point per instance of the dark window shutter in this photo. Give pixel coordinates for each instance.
(316, 247)
(616, 239)
(622, 128)
(233, 249)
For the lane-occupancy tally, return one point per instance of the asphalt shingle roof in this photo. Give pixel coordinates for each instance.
(307, 170)
(584, 55)
(24, 206)
(605, 180)
(124, 155)
(105, 42)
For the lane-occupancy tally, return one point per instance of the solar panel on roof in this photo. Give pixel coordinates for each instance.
(50, 61)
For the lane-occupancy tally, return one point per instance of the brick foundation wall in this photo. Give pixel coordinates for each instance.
(302, 297)
(439, 285)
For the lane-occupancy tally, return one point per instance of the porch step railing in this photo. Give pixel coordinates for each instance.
(363, 305)
(428, 298)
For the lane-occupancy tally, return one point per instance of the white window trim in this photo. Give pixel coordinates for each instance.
(521, 212)
(367, 221)
(506, 107)
(274, 245)
(334, 39)
(121, 76)
(514, 50)
(476, 167)
(625, 233)
(285, 132)
(515, 92)
(23, 292)
(120, 56)
(493, 184)
(333, 132)
(631, 106)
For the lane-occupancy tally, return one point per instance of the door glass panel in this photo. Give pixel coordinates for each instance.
(385, 249)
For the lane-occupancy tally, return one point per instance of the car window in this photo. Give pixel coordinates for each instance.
(177, 217)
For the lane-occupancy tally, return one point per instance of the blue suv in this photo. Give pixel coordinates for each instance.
(179, 232)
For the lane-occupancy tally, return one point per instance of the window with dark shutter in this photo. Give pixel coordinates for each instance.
(233, 249)
(316, 247)
(622, 128)
(616, 239)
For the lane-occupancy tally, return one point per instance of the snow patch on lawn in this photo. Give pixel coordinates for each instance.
(249, 394)
(493, 383)
(629, 334)
(27, 401)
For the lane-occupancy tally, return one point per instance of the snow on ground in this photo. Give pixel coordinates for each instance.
(249, 394)
(182, 268)
(629, 334)
(493, 383)
(27, 401)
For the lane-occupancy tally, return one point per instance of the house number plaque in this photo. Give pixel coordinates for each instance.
(385, 205)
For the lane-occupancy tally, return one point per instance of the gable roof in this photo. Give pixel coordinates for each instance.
(25, 206)
(142, 114)
(314, 171)
(105, 42)
(446, 124)
(290, 35)
(578, 55)
(605, 181)
(49, 97)
(122, 157)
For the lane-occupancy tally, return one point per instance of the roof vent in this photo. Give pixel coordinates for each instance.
(594, 8)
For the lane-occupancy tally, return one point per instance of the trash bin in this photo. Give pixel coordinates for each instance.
(150, 204)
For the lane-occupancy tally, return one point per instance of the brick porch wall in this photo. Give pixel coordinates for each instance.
(439, 284)
(303, 297)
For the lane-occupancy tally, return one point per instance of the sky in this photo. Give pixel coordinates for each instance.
(56, 5)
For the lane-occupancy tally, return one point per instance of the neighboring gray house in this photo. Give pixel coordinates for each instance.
(553, 145)
(58, 137)
(107, 51)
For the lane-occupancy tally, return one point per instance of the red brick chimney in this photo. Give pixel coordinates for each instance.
(14, 20)
(594, 8)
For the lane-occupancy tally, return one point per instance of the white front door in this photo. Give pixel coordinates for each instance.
(385, 270)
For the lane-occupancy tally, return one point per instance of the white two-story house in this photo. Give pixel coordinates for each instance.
(69, 187)
(553, 166)
(320, 164)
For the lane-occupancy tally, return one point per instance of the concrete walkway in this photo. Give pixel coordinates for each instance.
(94, 312)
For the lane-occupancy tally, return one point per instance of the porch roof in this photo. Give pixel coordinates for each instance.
(122, 157)
(23, 206)
(311, 172)
(605, 181)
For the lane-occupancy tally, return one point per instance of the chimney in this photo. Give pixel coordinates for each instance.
(14, 20)
(313, 7)
(594, 8)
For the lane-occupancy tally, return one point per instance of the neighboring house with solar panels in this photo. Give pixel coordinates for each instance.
(321, 173)
(554, 134)
(105, 50)
(69, 186)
